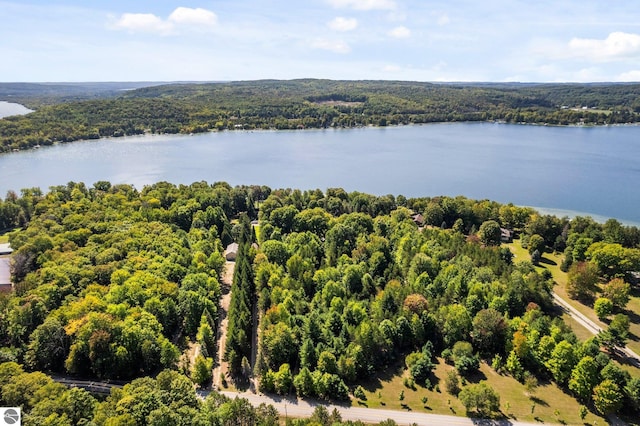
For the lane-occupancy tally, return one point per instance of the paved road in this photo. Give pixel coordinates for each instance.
(304, 408)
(299, 408)
(593, 327)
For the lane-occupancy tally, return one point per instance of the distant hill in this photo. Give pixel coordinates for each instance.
(38, 94)
(68, 112)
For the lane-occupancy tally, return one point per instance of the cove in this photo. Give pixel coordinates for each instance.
(591, 170)
(9, 108)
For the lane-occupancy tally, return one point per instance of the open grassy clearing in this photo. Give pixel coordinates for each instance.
(515, 402)
(4, 239)
(633, 312)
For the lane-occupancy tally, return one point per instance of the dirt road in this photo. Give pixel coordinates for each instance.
(221, 366)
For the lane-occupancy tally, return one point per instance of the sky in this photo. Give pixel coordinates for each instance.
(416, 40)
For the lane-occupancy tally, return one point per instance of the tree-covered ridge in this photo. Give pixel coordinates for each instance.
(295, 104)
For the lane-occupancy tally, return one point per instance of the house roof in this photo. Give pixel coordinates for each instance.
(231, 248)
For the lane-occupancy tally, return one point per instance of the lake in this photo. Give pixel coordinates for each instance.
(9, 108)
(592, 170)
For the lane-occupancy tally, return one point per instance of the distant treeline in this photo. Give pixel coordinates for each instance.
(297, 104)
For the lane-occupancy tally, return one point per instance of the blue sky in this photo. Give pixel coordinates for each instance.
(454, 40)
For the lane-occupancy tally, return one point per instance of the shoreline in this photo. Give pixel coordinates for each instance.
(306, 129)
(571, 214)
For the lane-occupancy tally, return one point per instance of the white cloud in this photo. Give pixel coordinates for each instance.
(629, 76)
(586, 74)
(343, 24)
(443, 20)
(364, 4)
(336, 46)
(198, 16)
(616, 46)
(181, 17)
(400, 32)
(143, 22)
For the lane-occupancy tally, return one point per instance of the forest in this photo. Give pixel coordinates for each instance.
(65, 114)
(115, 283)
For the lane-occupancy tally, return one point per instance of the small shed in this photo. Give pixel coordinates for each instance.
(5, 249)
(231, 252)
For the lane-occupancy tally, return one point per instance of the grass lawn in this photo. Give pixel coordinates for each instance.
(515, 403)
(257, 230)
(633, 312)
(581, 332)
(4, 239)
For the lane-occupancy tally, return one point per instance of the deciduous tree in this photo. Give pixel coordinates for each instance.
(617, 291)
(582, 279)
(584, 377)
(607, 397)
(480, 397)
(489, 233)
(489, 331)
(603, 307)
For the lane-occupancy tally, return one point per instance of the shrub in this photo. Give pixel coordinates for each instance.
(359, 393)
(408, 382)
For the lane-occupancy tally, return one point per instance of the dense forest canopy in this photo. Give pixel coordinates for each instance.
(112, 282)
(298, 104)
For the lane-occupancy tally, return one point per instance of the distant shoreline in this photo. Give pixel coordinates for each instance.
(571, 214)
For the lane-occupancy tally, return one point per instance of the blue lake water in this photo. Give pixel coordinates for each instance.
(9, 108)
(591, 170)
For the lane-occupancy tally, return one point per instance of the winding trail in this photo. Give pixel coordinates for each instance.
(221, 366)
